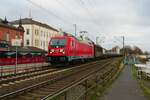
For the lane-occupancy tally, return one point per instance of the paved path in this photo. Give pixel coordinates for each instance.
(124, 88)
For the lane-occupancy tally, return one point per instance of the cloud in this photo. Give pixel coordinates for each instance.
(103, 18)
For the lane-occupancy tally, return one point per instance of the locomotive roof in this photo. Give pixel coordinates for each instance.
(79, 40)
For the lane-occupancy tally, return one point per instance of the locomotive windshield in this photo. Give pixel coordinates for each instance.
(58, 42)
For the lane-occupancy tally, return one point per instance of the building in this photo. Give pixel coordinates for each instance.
(36, 34)
(116, 50)
(9, 32)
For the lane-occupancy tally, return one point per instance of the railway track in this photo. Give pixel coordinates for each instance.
(26, 72)
(21, 76)
(55, 82)
(26, 75)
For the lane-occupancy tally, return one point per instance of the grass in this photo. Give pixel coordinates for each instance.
(145, 89)
(97, 92)
(100, 89)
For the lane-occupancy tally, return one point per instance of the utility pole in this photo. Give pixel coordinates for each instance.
(16, 59)
(97, 40)
(123, 46)
(30, 13)
(75, 29)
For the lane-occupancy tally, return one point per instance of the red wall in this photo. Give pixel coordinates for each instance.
(12, 34)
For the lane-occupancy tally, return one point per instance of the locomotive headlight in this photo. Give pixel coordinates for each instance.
(62, 50)
(52, 50)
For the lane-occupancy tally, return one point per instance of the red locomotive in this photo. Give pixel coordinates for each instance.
(68, 49)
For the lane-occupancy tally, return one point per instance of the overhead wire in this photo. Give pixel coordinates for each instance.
(66, 7)
(91, 16)
(69, 11)
(53, 14)
(49, 11)
(93, 4)
(83, 5)
(66, 21)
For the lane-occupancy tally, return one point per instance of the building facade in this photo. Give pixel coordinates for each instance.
(9, 32)
(36, 34)
(116, 50)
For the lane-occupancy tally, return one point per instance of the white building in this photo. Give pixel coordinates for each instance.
(36, 34)
(116, 50)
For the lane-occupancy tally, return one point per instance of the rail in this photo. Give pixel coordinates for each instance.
(50, 96)
(57, 77)
(10, 70)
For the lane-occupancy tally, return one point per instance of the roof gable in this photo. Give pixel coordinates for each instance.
(31, 21)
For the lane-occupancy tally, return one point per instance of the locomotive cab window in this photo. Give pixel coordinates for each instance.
(58, 42)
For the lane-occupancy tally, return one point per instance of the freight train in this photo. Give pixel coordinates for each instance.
(66, 49)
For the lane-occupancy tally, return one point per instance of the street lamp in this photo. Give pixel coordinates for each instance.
(75, 29)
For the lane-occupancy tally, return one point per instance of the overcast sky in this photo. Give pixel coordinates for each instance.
(106, 19)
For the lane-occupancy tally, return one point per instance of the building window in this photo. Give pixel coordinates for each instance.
(37, 32)
(27, 42)
(43, 44)
(7, 36)
(16, 36)
(41, 33)
(36, 43)
(50, 35)
(44, 34)
(28, 31)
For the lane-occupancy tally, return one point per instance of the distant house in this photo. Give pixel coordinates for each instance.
(116, 50)
(108, 51)
(104, 51)
(36, 34)
(9, 32)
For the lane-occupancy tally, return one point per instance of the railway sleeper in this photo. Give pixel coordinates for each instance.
(42, 92)
(24, 98)
(35, 95)
(47, 91)
(7, 88)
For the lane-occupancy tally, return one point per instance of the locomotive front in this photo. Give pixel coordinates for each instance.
(57, 50)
